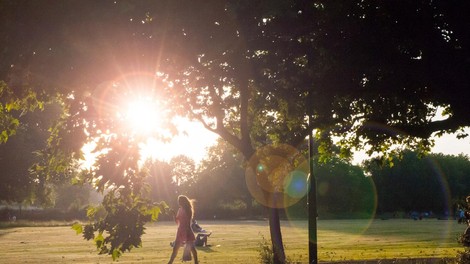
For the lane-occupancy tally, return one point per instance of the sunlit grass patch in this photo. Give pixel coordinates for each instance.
(239, 242)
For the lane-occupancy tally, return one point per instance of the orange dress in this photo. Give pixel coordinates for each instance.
(184, 232)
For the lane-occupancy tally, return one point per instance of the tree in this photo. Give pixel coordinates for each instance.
(162, 185)
(21, 153)
(434, 183)
(455, 169)
(253, 72)
(221, 178)
(368, 72)
(183, 173)
(71, 197)
(344, 190)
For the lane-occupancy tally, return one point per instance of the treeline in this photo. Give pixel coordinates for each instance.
(436, 184)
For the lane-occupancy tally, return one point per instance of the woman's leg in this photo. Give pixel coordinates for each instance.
(176, 247)
(194, 251)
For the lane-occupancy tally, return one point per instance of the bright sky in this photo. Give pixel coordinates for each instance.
(193, 142)
(198, 139)
(447, 144)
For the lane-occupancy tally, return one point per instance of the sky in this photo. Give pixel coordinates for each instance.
(197, 139)
(449, 144)
(192, 142)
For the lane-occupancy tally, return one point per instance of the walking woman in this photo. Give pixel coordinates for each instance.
(184, 233)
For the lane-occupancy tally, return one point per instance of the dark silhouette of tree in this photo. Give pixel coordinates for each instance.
(344, 190)
(426, 184)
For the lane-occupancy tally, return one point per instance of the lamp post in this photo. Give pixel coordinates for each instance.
(312, 204)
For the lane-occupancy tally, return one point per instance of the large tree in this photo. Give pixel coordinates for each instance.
(254, 72)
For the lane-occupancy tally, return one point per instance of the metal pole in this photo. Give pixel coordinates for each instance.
(312, 206)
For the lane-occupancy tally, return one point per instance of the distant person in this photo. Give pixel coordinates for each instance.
(461, 216)
(202, 234)
(184, 233)
(201, 239)
(196, 227)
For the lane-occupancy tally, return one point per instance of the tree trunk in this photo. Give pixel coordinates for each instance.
(279, 256)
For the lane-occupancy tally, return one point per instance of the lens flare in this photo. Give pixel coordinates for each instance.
(296, 185)
(276, 176)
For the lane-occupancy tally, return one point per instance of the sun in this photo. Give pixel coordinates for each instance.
(143, 116)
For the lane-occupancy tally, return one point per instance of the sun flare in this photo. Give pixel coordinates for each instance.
(143, 116)
(141, 112)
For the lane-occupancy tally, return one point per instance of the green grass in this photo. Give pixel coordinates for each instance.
(239, 242)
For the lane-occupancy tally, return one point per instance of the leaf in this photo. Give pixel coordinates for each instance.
(12, 105)
(4, 136)
(91, 211)
(88, 232)
(78, 228)
(155, 211)
(99, 240)
(14, 122)
(116, 254)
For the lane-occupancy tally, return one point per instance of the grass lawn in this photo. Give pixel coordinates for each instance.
(239, 242)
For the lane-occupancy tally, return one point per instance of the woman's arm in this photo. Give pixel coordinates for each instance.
(178, 215)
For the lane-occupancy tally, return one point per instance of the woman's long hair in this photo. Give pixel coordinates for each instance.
(186, 204)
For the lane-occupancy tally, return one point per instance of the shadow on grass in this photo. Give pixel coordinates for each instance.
(207, 249)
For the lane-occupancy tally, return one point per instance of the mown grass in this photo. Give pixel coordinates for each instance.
(239, 242)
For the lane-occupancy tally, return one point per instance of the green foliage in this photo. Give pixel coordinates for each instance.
(78, 228)
(24, 137)
(118, 224)
(265, 251)
(343, 190)
(221, 177)
(182, 171)
(266, 254)
(416, 184)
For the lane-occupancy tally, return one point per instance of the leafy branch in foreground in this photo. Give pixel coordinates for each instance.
(118, 224)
